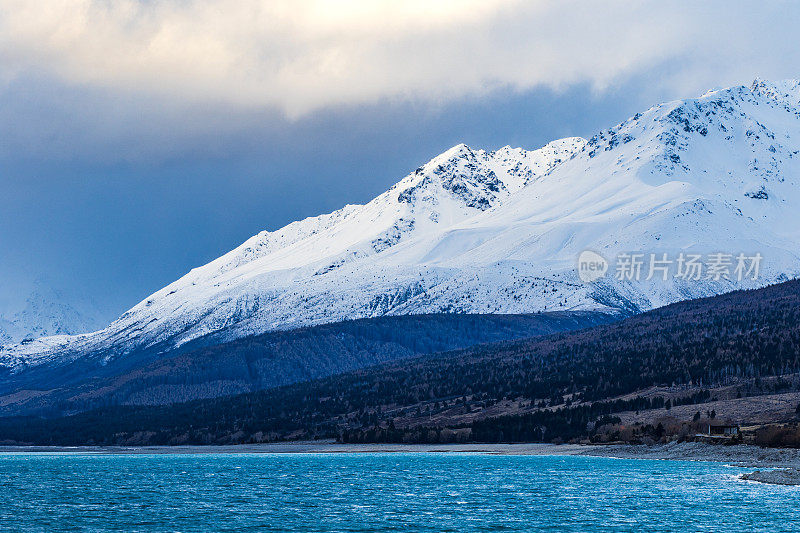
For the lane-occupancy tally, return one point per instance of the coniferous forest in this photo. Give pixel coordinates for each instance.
(555, 388)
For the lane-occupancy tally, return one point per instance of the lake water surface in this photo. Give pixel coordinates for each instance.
(408, 492)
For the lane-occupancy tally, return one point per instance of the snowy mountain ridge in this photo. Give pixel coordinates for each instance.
(499, 232)
(44, 311)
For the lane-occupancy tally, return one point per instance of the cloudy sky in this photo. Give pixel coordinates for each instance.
(141, 138)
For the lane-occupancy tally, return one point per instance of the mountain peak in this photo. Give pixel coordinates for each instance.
(457, 151)
(499, 231)
(785, 92)
(45, 311)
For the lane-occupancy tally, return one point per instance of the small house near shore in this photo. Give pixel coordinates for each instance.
(716, 433)
(723, 430)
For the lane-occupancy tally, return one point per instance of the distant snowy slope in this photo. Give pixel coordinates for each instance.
(499, 232)
(43, 311)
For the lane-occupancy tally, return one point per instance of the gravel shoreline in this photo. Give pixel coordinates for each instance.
(787, 476)
(783, 464)
(737, 455)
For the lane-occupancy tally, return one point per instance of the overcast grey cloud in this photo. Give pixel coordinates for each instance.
(302, 55)
(139, 139)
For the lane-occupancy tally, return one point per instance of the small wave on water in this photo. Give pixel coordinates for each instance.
(409, 492)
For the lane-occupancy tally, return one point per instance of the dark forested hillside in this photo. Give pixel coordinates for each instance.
(206, 369)
(557, 386)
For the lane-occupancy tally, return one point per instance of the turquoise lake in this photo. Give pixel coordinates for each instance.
(382, 492)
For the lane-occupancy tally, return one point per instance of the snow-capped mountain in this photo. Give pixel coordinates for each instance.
(499, 232)
(44, 311)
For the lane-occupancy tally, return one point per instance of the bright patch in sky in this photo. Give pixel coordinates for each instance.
(302, 55)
